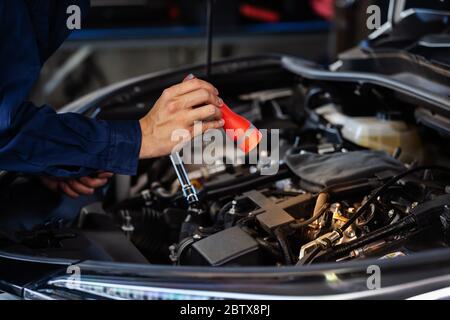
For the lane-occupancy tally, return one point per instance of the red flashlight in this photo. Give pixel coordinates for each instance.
(240, 130)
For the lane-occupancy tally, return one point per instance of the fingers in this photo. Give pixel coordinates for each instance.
(187, 87)
(68, 190)
(80, 188)
(212, 125)
(87, 185)
(199, 97)
(105, 175)
(206, 113)
(75, 188)
(94, 183)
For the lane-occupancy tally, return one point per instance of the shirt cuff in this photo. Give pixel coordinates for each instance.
(125, 146)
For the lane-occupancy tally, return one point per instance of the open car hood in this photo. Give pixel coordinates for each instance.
(413, 70)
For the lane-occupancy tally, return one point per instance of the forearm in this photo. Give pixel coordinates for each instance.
(69, 145)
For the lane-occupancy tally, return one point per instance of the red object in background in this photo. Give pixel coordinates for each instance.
(258, 13)
(174, 12)
(324, 8)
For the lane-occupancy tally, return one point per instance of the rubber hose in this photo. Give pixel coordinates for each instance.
(284, 246)
(150, 234)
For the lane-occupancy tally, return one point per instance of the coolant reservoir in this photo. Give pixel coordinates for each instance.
(377, 134)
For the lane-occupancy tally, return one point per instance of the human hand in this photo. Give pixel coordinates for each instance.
(75, 188)
(178, 108)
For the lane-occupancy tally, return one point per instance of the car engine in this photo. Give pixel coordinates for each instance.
(348, 183)
(355, 165)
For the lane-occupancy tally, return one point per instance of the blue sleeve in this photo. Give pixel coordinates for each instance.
(36, 139)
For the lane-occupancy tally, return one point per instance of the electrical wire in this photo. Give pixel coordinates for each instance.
(301, 224)
(281, 238)
(372, 198)
(382, 189)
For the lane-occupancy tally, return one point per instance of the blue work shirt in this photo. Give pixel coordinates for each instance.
(37, 140)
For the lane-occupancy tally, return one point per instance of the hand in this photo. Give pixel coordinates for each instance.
(179, 107)
(74, 188)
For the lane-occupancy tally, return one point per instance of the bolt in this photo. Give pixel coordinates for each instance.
(391, 213)
(197, 237)
(232, 210)
(350, 233)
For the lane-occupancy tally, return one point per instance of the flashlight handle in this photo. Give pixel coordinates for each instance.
(239, 125)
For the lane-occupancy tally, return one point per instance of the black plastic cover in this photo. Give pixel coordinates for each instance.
(319, 171)
(228, 247)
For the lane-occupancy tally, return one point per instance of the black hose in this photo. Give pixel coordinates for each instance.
(159, 191)
(245, 183)
(279, 234)
(237, 185)
(310, 95)
(301, 224)
(151, 233)
(422, 216)
(225, 208)
(134, 203)
(221, 216)
(268, 247)
(374, 196)
(382, 189)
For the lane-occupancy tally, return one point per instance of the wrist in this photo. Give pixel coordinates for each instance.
(146, 147)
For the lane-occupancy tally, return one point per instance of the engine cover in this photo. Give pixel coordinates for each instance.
(229, 247)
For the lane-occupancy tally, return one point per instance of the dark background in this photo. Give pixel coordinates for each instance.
(121, 39)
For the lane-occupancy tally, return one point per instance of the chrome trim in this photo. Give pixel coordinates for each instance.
(247, 296)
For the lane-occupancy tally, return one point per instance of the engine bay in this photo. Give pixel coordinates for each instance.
(348, 174)
(350, 183)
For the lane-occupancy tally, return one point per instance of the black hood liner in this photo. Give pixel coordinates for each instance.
(320, 171)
